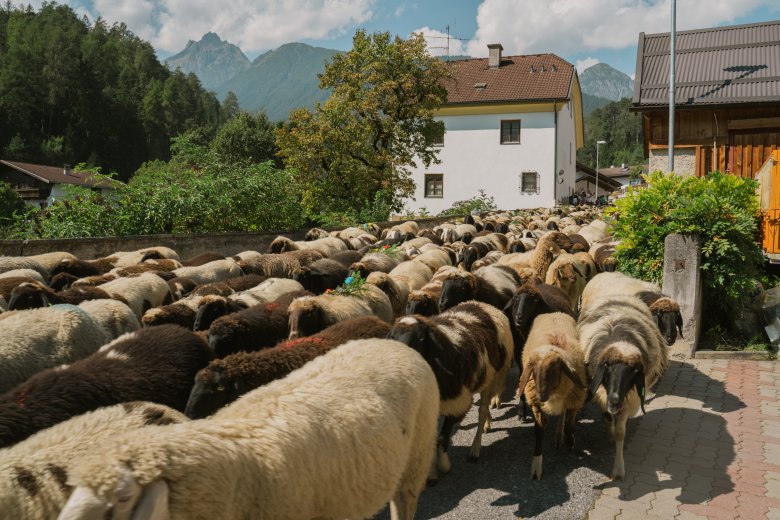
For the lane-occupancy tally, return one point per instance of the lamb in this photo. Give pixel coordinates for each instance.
(325, 246)
(321, 275)
(624, 353)
(213, 306)
(311, 314)
(425, 301)
(283, 265)
(152, 364)
(566, 273)
(34, 472)
(665, 311)
(259, 326)
(469, 348)
(494, 284)
(140, 293)
(553, 380)
(33, 295)
(225, 380)
(380, 262)
(37, 339)
(376, 414)
(216, 271)
(115, 317)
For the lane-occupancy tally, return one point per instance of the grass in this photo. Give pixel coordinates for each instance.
(718, 338)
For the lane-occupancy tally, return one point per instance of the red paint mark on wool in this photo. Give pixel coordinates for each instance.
(21, 399)
(271, 307)
(295, 342)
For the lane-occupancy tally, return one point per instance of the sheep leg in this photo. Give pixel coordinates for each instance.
(443, 463)
(403, 505)
(559, 433)
(619, 468)
(536, 463)
(484, 418)
(571, 421)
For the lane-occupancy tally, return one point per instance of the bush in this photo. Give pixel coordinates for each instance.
(721, 209)
(10, 203)
(479, 203)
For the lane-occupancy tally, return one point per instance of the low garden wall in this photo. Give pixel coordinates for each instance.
(185, 245)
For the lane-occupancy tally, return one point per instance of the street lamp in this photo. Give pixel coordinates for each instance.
(597, 169)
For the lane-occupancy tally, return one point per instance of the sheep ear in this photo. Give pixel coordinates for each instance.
(598, 377)
(578, 271)
(639, 383)
(655, 319)
(153, 504)
(527, 372)
(680, 324)
(571, 375)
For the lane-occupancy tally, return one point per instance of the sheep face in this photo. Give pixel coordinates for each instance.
(213, 389)
(455, 290)
(315, 281)
(423, 304)
(469, 256)
(213, 309)
(126, 500)
(618, 375)
(517, 247)
(411, 331)
(28, 296)
(306, 321)
(521, 311)
(62, 281)
(668, 322)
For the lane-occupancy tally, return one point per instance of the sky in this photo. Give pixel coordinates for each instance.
(584, 32)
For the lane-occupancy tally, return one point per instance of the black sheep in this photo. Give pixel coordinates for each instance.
(82, 268)
(347, 258)
(153, 364)
(322, 275)
(260, 326)
(225, 380)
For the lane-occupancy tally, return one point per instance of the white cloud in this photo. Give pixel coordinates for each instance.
(586, 63)
(437, 42)
(570, 26)
(253, 25)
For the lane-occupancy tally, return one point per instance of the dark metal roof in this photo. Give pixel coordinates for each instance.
(722, 65)
(590, 174)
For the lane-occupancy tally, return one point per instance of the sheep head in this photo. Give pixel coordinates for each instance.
(668, 318)
(416, 332)
(214, 388)
(306, 317)
(620, 369)
(29, 295)
(456, 288)
(547, 368)
(422, 303)
(126, 500)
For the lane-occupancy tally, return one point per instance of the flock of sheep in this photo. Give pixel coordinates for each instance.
(282, 385)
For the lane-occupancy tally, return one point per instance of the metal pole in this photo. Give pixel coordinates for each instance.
(597, 173)
(672, 86)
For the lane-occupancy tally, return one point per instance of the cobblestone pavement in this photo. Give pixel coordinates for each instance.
(708, 447)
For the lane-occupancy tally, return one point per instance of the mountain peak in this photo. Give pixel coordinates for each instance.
(211, 38)
(213, 60)
(606, 82)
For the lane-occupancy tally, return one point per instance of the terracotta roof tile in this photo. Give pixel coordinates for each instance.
(519, 78)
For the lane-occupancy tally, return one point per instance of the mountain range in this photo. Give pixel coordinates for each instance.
(284, 79)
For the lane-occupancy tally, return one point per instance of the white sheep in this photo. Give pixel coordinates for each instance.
(216, 271)
(625, 354)
(604, 285)
(140, 293)
(34, 472)
(337, 438)
(23, 273)
(50, 260)
(36, 339)
(115, 317)
(325, 246)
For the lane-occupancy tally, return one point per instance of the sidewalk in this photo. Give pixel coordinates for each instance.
(708, 447)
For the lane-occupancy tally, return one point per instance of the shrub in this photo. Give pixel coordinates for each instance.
(10, 203)
(481, 202)
(721, 209)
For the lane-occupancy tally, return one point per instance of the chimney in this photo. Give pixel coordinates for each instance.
(494, 55)
(66, 169)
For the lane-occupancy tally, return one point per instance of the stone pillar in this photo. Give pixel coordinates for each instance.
(682, 281)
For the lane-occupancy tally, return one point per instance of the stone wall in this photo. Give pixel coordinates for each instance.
(684, 160)
(186, 245)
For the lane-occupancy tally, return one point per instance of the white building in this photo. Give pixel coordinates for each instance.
(513, 125)
(39, 185)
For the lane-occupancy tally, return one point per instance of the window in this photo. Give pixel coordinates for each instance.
(434, 185)
(510, 131)
(438, 137)
(529, 183)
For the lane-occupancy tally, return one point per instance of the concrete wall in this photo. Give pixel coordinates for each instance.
(186, 245)
(684, 160)
(473, 158)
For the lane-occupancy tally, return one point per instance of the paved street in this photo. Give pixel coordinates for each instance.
(708, 447)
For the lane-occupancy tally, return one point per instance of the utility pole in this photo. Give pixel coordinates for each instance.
(672, 86)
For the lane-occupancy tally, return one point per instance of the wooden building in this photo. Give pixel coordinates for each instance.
(727, 98)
